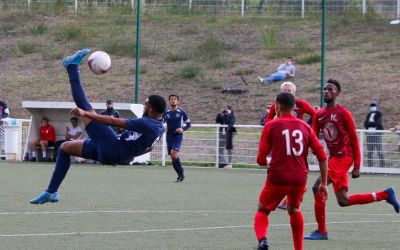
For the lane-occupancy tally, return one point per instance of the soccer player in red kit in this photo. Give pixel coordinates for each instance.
(301, 107)
(338, 127)
(288, 140)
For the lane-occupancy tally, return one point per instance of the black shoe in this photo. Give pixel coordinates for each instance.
(33, 159)
(263, 244)
(177, 179)
(182, 178)
(44, 159)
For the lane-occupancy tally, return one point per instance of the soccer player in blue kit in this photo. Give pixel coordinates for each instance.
(103, 145)
(177, 122)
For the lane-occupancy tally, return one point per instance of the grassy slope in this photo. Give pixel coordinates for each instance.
(197, 57)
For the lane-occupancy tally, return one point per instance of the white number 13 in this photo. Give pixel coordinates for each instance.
(298, 139)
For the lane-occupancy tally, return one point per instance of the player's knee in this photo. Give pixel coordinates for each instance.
(343, 202)
(292, 210)
(315, 188)
(174, 155)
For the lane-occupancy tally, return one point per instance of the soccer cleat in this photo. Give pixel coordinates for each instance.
(316, 235)
(46, 197)
(392, 200)
(75, 58)
(178, 179)
(33, 159)
(263, 244)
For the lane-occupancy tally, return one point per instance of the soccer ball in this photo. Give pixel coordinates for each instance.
(99, 62)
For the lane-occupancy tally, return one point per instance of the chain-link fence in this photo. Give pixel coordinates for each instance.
(221, 7)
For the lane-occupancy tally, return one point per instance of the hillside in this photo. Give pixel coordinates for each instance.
(196, 57)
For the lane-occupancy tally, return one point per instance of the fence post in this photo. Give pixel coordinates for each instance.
(398, 8)
(362, 148)
(133, 6)
(302, 8)
(29, 4)
(217, 148)
(364, 7)
(190, 5)
(163, 146)
(242, 9)
(76, 6)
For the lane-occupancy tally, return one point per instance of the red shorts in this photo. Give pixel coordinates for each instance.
(338, 169)
(272, 195)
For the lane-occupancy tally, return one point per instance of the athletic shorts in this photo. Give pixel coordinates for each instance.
(272, 195)
(101, 145)
(338, 172)
(174, 142)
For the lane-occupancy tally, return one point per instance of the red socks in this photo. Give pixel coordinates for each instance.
(319, 209)
(297, 223)
(261, 225)
(367, 198)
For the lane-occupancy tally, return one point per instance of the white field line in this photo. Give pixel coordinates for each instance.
(166, 212)
(174, 229)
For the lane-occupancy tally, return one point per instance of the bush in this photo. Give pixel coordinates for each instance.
(70, 32)
(211, 48)
(270, 39)
(190, 71)
(39, 29)
(176, 58)
(309, 59)
(26, 47)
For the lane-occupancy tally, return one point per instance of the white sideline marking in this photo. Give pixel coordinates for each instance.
(167, 211)
(176, 229)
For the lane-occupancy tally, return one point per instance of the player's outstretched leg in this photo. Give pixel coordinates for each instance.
(71, 63)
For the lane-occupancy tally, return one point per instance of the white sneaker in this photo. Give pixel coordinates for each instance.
(261, 80)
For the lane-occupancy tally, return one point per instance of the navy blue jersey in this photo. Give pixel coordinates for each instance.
(176, 119)
(139, 137)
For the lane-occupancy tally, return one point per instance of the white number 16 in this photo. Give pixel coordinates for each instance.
(298, 139)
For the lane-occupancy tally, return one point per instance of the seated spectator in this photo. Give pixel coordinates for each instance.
(4, 111)
(284, 71)
(71, 134)
(47, 139)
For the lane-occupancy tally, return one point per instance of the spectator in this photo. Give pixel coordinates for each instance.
(71, 134)
(397, 130)
(110, 111)
(264, 115)
(372, 123)
(284, 71)
(4, 111)
(47, 139)
(226, 117)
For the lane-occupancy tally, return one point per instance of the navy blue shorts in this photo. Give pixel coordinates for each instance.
(174, 142)
(102, 143)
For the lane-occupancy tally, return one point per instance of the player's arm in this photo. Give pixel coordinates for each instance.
(186, 122)
(271, 114)
(355, 145)
(105, 119)
(318, 150)
(309, 109)
(315, 125)
(264, 147)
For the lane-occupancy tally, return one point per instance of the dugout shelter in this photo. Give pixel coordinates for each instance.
(59, 115)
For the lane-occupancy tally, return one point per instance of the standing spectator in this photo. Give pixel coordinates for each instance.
(226, 117)
(264, 115)
(284, 71)
(397, 130)
(110, 111)
(177, 123)
(71, 134)
(373, 123)
(4, 111)
(47, 139)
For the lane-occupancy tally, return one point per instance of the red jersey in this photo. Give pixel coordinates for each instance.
(47, 133)
(339, 130)
(301, 107)
(288, 139)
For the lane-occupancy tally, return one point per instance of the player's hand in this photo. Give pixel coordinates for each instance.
(355, 173)
(77, 112)
(324, 190)
(179, 130)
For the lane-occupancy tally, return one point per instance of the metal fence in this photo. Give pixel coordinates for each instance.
(21, 127)
(200, 146)
(220, 7)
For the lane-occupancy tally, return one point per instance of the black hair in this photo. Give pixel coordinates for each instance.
(45, 118)
(157, 103)
(286, 99)
(74, 119)
(169, 97)
(336, 83)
